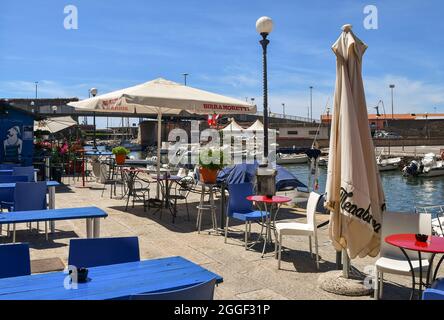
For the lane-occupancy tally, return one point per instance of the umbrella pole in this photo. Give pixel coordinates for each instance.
(345, 264)
(159, 145)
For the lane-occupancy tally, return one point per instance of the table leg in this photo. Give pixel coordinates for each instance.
(51, 198)
(96, 228)
(412, 271)
(420, 274)
(267, 230)
(429, 270)
(435, 274)
(89, 228)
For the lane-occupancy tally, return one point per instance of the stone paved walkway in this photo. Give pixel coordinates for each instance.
(246, 275)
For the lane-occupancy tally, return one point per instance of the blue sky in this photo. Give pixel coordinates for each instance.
(123, 43)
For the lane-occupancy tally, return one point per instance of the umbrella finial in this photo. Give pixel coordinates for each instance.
(347, 27)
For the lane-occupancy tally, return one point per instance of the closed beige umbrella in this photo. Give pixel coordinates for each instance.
(354, 192)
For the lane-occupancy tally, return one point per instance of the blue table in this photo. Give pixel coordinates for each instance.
(51, 195)
(118, 281)
(91, 214)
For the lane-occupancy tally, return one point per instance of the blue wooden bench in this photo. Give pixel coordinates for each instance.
(91, 214)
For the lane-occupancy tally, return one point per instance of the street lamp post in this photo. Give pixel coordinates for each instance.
(185, 75)
(311, 103)
(283, 109)
(264, 26)
(93, 92)
(392, 86)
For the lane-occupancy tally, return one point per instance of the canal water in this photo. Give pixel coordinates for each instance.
(402, 194)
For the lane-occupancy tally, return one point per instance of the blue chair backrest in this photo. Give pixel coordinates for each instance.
(238, 198)
(7, 194)
(24, 171)
(89, 253)
(15, 260)
(30, 196)
(11, 179)
(201, 291)
(8, 166)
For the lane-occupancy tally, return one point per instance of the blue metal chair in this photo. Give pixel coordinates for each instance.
(15, 260)
(436, 292)
(239, 208)
(7, 194)
(24, 171)
(30, 196)
(201, 291)
(86, 253)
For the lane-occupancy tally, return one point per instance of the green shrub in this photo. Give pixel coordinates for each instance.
(120, 150)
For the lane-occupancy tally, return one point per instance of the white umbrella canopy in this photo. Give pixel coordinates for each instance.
(54, 124)
(166, 97)
(162, 96)
(354, 192)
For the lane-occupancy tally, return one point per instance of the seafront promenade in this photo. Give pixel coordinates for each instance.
(246, 275)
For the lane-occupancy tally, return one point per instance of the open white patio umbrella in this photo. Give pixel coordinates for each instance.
(54, 124)
(161, 96)
(354, 192)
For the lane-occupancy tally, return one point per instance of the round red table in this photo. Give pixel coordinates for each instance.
(434, 245)
(266, 204)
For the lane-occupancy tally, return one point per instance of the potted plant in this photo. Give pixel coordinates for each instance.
(120, 153)
(210, 162)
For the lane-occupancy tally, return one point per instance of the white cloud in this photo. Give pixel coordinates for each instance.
(409, 95)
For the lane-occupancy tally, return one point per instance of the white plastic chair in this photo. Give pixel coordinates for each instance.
(391, 259)
(300, 229)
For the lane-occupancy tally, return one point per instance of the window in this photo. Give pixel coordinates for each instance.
(293, 132)
(312, 132)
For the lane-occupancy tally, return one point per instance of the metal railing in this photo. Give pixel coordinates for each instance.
(289, 117)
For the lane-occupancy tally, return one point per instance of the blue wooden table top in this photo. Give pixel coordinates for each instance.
(12, 184)
(52, 215)
(109, 282)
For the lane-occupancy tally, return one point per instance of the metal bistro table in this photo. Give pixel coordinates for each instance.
(51, 195)
(434, 245)
(266, 204)
(166, 181)
(116, 281)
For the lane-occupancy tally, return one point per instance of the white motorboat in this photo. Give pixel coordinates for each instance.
(388, 164)
(323, 161)
(429, 166)
(291, 158)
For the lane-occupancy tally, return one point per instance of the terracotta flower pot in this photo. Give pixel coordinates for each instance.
(208, 176)
(120, 158)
